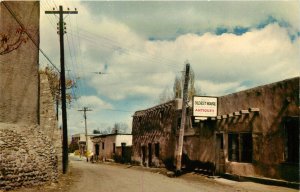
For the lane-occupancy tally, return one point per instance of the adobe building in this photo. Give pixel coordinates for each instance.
(255, 134)
(115, 146)
(154, 134)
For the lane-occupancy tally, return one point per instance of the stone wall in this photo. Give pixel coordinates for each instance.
(27, 156)
(48, 121)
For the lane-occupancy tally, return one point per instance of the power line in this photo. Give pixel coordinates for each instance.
(30, 37)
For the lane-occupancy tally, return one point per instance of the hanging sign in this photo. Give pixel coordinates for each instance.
(205, 106)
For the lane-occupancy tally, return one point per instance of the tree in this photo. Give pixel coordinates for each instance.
(178, 89)
(96, 131)
(120, 128)
(54, 83)
(166, 95)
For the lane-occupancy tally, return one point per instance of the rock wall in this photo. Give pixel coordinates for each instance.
(27, 156)
(48, 121)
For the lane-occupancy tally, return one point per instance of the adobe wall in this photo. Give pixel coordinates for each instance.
(19, 68)
(198, 147)
(155, 125)
(275, 101)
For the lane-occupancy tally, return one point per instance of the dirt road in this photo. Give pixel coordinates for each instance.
(103, 177)
(119, 178)
(88, 177)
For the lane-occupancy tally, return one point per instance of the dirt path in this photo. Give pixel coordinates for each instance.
(103, 177)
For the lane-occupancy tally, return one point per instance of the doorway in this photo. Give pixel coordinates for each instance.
(220, 157)
(143, 155)
(149, 155)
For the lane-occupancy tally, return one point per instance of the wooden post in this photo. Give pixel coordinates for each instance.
(183, 118)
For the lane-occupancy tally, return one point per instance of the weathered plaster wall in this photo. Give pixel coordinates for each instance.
(19, 68)
(275, 102)
(155, 125)
(198, 147)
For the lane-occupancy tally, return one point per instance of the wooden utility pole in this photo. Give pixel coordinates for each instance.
(63, 82)
(85, 109)
(183, 118)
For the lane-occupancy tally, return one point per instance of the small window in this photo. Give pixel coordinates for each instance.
(157, 149)
(102, 145)
(291, 126)
(246, 147)
(240, 147)
(233, 147)
(114, 148)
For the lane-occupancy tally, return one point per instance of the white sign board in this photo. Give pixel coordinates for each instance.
(205, 106)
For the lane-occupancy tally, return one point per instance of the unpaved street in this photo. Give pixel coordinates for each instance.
(119, 178)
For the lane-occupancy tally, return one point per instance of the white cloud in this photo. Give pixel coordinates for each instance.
(93, 102)
(139, 68)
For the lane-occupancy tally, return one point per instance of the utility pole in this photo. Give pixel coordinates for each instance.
(85, 109)
(63, 83)
(183, 118)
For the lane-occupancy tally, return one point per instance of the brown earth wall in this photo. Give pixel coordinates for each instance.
(154, 126)
(19, 68)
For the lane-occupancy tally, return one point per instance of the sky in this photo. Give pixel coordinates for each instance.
(140, 47)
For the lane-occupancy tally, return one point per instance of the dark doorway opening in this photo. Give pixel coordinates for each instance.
(149, 155)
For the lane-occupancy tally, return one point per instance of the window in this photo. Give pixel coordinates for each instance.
(291, 126)
(233, 147)
(246, 147)
(114, 148)
(102, 145)
(240, 147)
(156, 149)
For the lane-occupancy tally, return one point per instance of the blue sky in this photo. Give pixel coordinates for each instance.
(142, 46)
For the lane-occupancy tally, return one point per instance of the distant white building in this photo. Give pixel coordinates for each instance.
(80, 139)
(115, 146)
